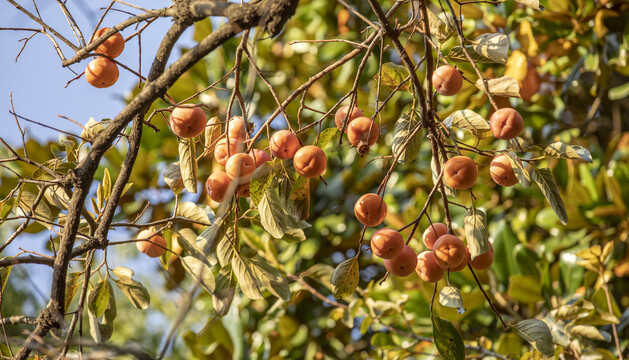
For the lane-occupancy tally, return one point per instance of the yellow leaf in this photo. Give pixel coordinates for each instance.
(527, 40)
(517, 65)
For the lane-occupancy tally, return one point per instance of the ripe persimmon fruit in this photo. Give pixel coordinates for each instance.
(460, 172)
(284, 144)
(387, 243)
(310, 161)
(370, 209)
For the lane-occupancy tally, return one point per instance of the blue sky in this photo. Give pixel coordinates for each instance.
(37, 80)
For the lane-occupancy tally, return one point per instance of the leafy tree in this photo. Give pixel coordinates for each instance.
(277, 264)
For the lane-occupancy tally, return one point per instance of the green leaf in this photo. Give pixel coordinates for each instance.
(133, 290)
(272, 215)
(493, 46)
(4, 276)
(200, 271)
(210, 237)
(188, 164)
(546, 182)
(247, 280)
(520, 172)
(271, 278)
(345, 278)
(476, 232)
(618, 92)
(227, 247)
(525, 288)
(457, 55)
(98, 298)
(5, 209)
(405, 146)
(172, 178)
(260, 181)
(224, 290)
(448, 341)
(393, 75)
(537, 333)
(451, 297)
(562, 150)
(42, 211)
(440, 27)
(192, 211)
(72, 285)
(470, 121)
(326, 135)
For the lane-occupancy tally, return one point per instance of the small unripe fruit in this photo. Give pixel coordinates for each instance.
(447, 80)
(463, 264)
(111, 47)
(506, 123)
(484, 260)
(220, 151)
(217, 185)
(362, 131)
(101, 72)
(432, 233)
(449, 251)
(260, 156)
(237, 128)
(284, 144)
(341, 113)
(243, 190)
(403, 264)
(310, 161)
(370, 209)
(460, 172)
(502, 172)
(427, 268)
(187, 121)
(152, 245)
(239, 167)
(387, 243)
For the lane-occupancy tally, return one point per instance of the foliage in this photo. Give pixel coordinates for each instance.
(288, 274)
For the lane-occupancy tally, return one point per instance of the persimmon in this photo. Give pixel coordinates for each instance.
(101, 72)
(150, 243)
(404, 264)
(464, 263)
(239, 167)
(387, 243)
(341, 113)
(217, 185)
(310, 161)
(502, 172)
(187, 121)
(460, 172)
(370, 209)
(259, 156)
(449, 251)
(284, 144)
(243, 190)
(362, 132)
(506, 123)
(432, 233)
(220, 151)
(484, 260)
(111, 47)
(237, 128)
(427, 268)
(447, 80)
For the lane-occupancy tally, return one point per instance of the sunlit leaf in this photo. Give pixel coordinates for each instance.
(192, 211)
(562, 150)
(590, 332)
(200, 271)
(132, 289)
(476, 232)
(188, 164)
(172, 177)
(72, 285)
(405, 146)
(470, 121)
(98, 298)
(345, 278)
(272, 215)
(451, 297)
(537, 333)
(520, 172)
(494, 46)
(502, 86)
(393, 75)
(533, 4)
(546, 181)
(326, 135)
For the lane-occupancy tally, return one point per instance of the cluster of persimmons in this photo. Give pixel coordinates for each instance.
(102, 72)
